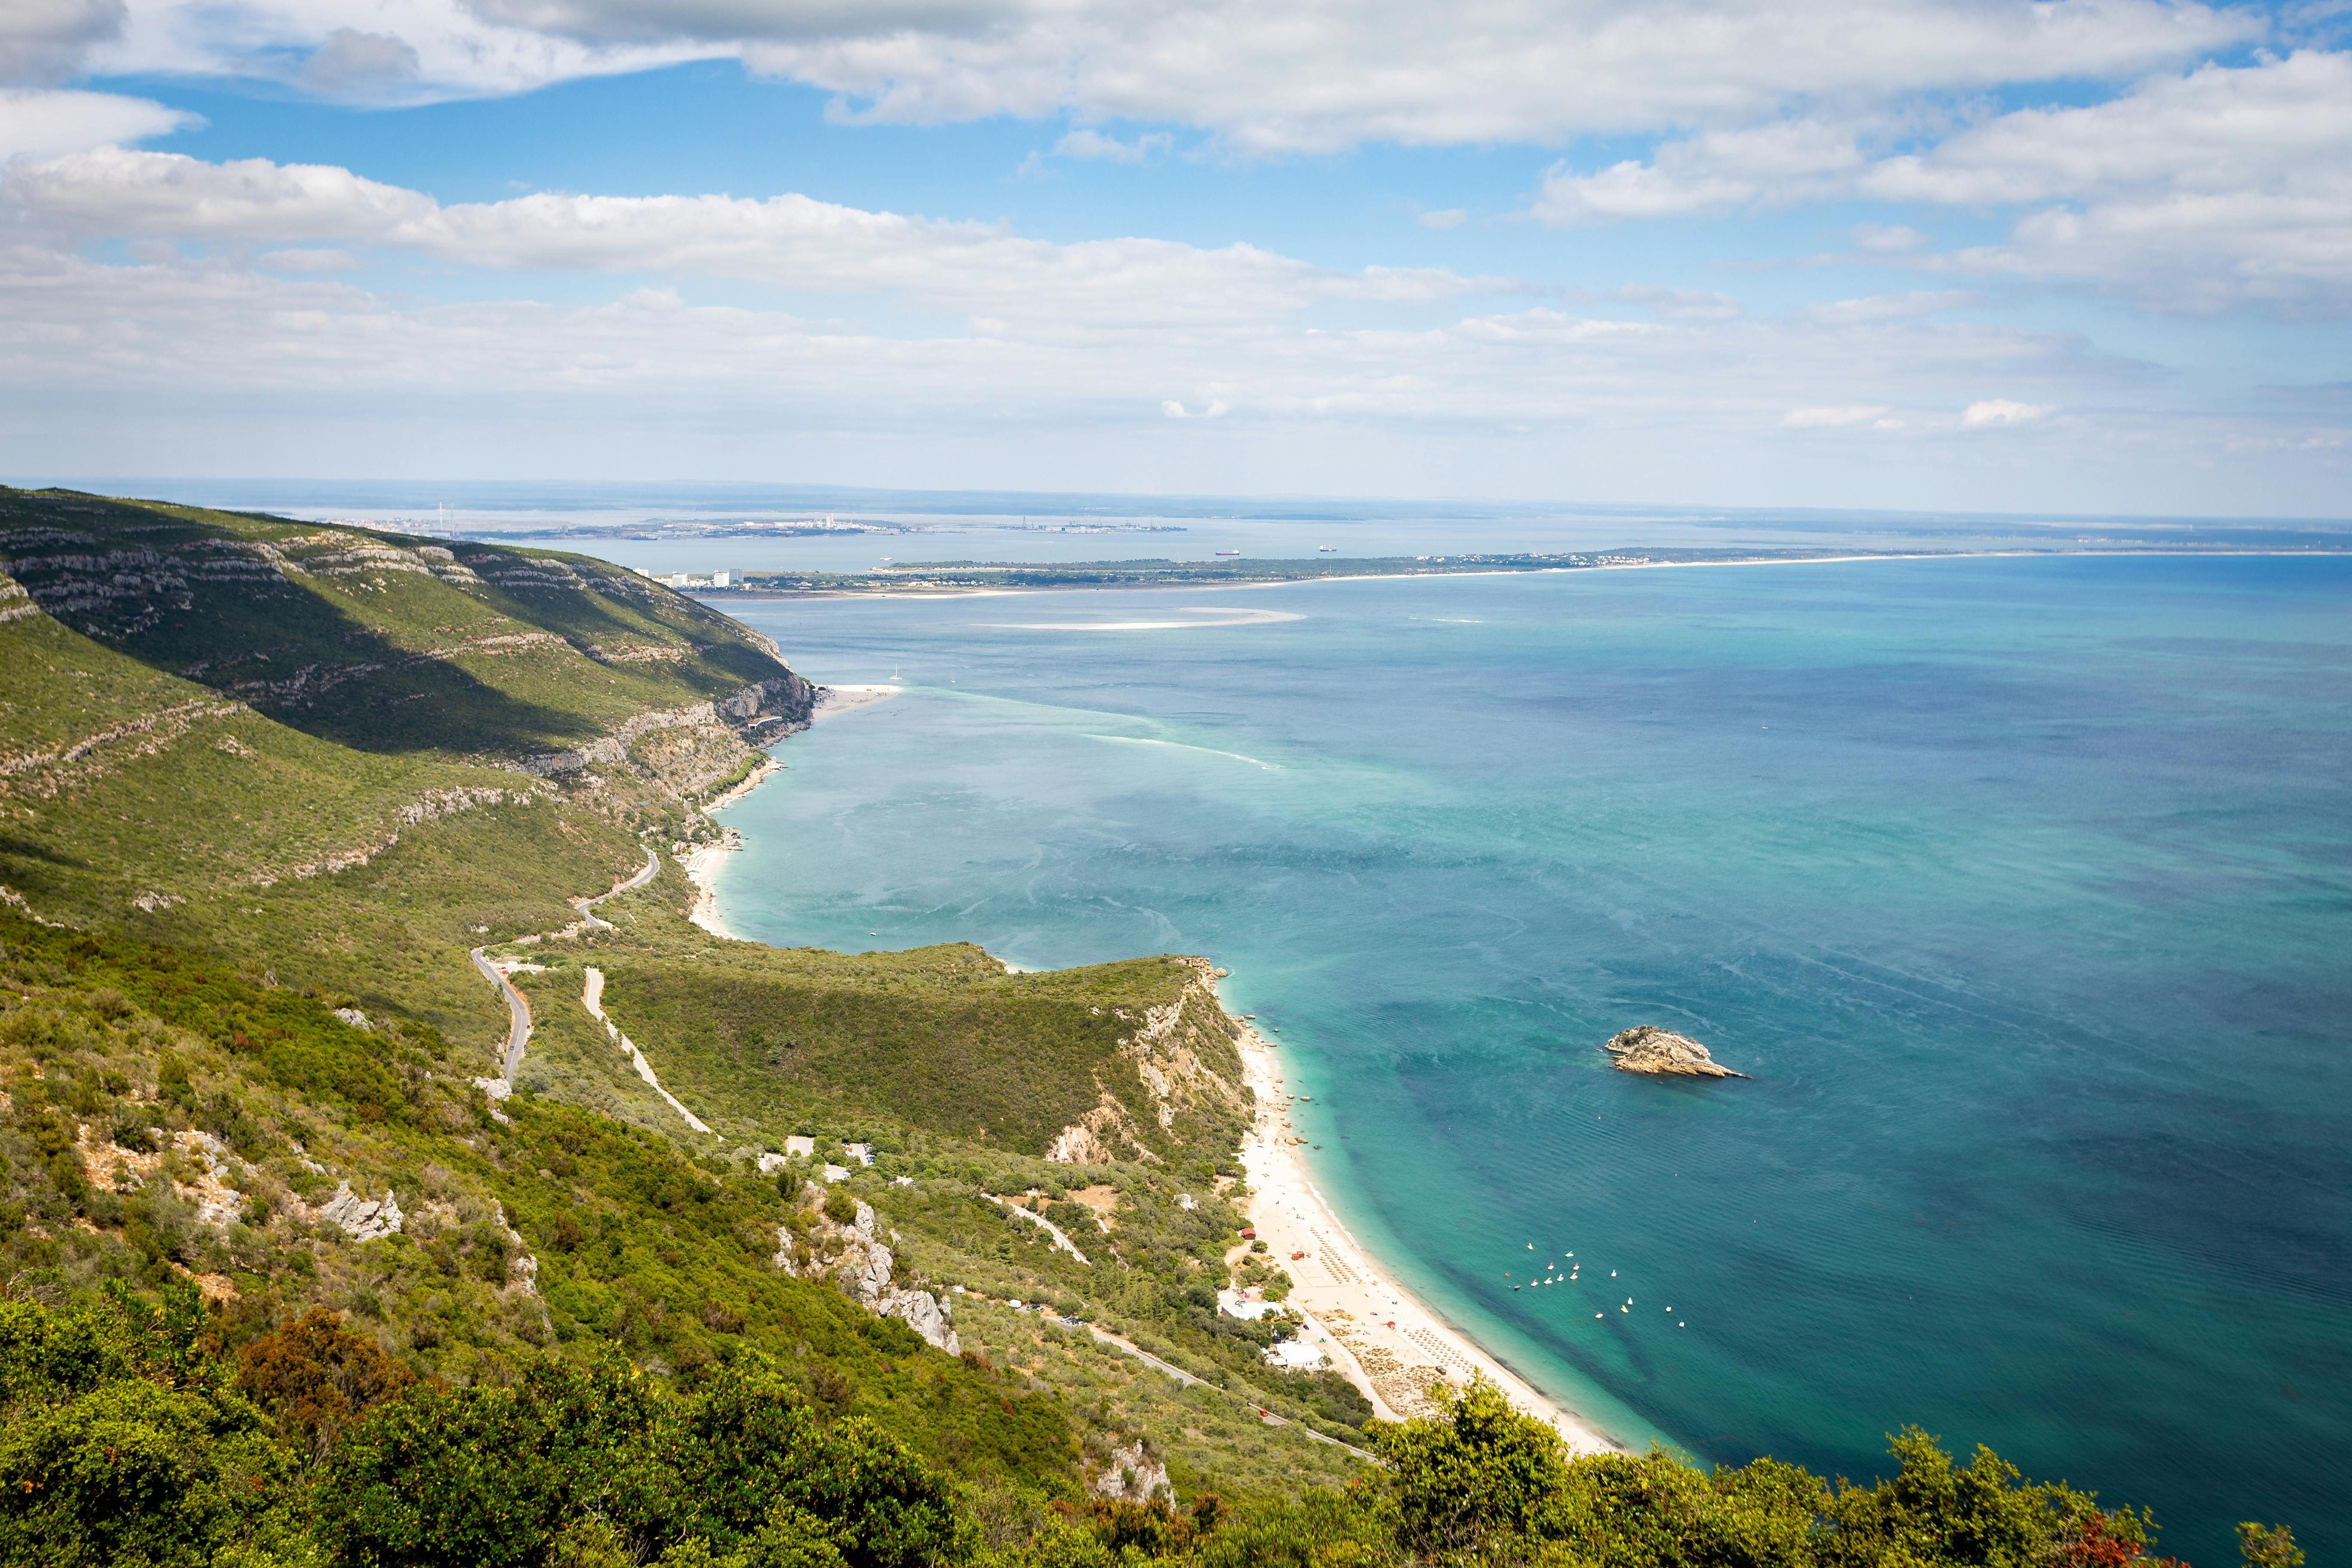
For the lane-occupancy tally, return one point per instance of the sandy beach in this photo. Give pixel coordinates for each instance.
(1385, 1342)
(702, 870)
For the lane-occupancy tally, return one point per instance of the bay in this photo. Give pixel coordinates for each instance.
(2023, 887)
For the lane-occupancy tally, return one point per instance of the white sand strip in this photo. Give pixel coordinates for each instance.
(701, 868)
(1383, 1340)
(833, 702)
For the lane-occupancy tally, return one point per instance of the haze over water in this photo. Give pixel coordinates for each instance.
(2023, 887)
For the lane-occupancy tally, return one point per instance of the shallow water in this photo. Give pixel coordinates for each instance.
(2023, 887)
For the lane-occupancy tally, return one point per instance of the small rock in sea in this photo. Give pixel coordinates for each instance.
(1650, 1049)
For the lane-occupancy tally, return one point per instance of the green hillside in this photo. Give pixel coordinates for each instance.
(352, 754)
(764, 1043)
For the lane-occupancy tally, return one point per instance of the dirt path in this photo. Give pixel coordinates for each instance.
(592, 996)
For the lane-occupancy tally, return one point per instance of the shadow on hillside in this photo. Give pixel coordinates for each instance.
(318, 664)
(15, 848)
(313, 666)
(303, 659)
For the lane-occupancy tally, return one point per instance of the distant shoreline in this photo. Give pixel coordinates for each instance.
(916, 589)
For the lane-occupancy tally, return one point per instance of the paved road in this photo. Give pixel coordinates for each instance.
(518, 1016)
(652, 870)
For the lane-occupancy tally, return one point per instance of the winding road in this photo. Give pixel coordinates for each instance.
(517, 1009)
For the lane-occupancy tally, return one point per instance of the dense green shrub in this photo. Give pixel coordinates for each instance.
(123, 1445)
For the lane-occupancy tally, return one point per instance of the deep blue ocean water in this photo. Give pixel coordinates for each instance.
(2023, 887)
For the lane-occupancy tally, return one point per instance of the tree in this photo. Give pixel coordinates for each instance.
(718, 1467)
(444, 1477)
(1932, 1511)
(122, 1443)
(1478, 1469)
(2268, 1548)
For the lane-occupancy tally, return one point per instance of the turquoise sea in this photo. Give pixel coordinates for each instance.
(2023, 887)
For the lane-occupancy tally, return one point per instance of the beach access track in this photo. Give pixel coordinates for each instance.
(1105, 1337)
(592, 996)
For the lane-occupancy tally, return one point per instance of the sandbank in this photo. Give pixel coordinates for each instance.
(1386, 1342)
(833, 702)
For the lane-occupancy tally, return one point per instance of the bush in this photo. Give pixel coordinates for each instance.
(121, 1443)
(317, 1377)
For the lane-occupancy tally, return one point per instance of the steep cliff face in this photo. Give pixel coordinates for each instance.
(687, 749)
(1187, 1092)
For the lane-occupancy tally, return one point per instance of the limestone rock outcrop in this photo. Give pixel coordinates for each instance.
(1662, 1053)
(921, 1312)
(856, 1255)
(1133, 1474)
(362, 1220)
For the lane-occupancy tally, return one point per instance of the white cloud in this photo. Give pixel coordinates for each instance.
(1836, 418)
(1448, 217)
(38, 123)
(2218, 128)
(1264, 75)
(1295, 76)
(1680, 304)
(1888, 239)
(1717, 172)
(790, 242)
(2195, 191)
(311, 260)
(259, 372)
(112, 192)
(372, 50)
(1090, 143)
(1996, 411)
(1874, 308)
(46, 40)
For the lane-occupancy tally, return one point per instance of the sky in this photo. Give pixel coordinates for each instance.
(2074, 256)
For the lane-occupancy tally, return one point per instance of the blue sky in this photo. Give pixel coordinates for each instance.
(2077, 255)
